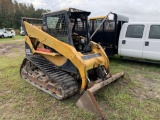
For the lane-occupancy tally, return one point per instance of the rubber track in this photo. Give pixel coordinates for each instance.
(67, 82)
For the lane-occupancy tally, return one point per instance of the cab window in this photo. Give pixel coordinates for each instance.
(96, 24)
(109, 25)
(154, 32)
(135, 31)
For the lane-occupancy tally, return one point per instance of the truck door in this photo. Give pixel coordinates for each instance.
(151, 48)
(131, 40)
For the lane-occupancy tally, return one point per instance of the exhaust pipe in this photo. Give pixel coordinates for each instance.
(88, 102)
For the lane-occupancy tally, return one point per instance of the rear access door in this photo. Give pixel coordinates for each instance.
(131, 40)
(151, 48)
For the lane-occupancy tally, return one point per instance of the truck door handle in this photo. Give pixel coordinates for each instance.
(123, 41)
(146, 43)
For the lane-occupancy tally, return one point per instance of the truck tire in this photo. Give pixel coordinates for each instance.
(2, 36)
(11, 36)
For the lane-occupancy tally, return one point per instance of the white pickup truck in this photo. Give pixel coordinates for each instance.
(140, 40)
(4, 33)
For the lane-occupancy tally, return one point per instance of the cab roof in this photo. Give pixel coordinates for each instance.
(71, 10)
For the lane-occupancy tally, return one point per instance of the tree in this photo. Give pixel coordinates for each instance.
(38, 13)
(12, 11)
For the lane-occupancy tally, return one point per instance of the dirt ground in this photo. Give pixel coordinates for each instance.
(7, 48)
(150, 88)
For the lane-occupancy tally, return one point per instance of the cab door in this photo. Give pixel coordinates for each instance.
(152, 43)
(131, 40)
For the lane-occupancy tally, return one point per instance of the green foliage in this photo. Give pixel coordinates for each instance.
(12, 11)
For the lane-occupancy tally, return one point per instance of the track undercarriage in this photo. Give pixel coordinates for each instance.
(47, 77)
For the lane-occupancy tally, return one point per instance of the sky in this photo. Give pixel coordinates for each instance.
(136, 10)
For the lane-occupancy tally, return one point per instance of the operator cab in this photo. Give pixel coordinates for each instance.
(69, 26)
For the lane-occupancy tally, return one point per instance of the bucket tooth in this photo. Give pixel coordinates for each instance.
(88, 102)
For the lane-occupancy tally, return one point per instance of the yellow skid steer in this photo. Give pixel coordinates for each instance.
(62, 60)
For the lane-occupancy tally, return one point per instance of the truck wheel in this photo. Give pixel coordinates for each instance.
(11, 36)
(2, 36)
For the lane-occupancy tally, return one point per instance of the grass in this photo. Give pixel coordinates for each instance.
(6, 40)
(135, 99)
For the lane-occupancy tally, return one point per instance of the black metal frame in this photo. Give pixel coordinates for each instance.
(109, 39)
(69, 14)
(65, 35)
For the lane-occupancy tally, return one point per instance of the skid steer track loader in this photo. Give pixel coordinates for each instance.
(61, 60)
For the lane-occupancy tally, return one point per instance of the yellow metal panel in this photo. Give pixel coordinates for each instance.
(96, 48)
(61, 47)
(57, 60)
(30, 44)
(98, 17)
(49, 54)
(67, 51)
